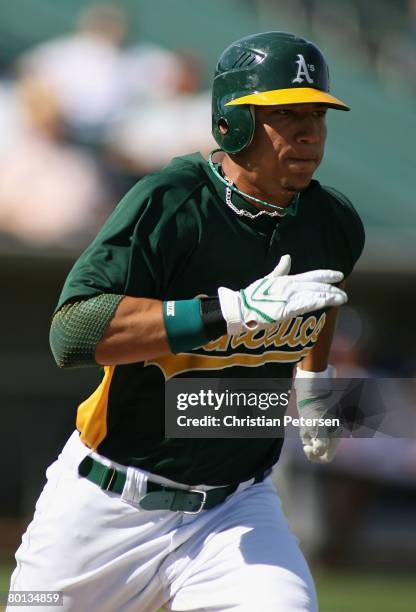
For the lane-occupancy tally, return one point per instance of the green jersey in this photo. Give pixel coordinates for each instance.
(173, 237)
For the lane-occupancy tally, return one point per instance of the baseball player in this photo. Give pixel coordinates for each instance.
(130, 520)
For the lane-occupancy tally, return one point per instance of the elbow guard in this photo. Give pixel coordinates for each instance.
(78, 327)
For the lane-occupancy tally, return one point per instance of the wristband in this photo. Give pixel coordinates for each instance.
(214, 323)
(184, 324)
(330, 372)
(311, 386)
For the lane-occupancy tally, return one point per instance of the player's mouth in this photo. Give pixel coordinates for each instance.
(302, 164)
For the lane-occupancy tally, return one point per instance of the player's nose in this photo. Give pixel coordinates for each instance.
(309, 131)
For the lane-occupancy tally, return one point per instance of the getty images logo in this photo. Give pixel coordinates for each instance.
(303, 70)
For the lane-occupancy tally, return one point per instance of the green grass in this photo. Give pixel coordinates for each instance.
(5, 573)
(340, 591)
(349, 592)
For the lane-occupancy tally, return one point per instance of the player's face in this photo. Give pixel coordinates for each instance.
(288, 143)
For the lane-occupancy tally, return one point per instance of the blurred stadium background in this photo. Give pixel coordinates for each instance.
(94, 96)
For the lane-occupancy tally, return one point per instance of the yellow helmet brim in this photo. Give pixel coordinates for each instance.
(293, 95)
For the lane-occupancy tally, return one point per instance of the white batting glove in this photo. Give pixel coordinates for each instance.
(316, 397)
(277, 297)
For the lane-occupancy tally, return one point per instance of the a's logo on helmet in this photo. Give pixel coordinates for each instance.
(303, 70)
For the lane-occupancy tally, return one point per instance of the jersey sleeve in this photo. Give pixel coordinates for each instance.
(122, 247)
(349, 225)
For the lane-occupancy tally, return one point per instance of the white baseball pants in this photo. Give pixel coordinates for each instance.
(108, 555)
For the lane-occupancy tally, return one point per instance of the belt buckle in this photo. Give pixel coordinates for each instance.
(204, 499)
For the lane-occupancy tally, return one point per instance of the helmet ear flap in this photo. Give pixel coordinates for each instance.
(233, 127)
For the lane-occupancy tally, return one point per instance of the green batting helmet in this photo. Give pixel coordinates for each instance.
(263, 69)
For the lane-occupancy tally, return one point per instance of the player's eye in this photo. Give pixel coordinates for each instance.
(283, 112)
(319, 113)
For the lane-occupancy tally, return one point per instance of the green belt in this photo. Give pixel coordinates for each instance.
(158, 497)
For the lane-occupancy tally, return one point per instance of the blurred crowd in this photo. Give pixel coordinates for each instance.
(85, 117)
(378, 34)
